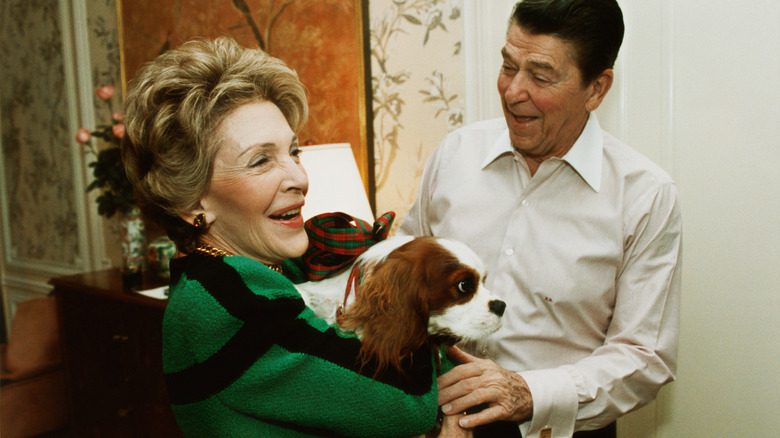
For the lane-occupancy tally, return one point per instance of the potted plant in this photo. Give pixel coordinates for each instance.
(110, 180)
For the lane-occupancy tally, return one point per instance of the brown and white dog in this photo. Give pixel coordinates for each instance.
(412, 290)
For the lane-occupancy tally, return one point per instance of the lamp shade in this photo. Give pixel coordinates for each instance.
(334, 182)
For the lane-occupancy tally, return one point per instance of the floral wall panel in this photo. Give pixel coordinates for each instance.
(104, 45)
(39, 216)
(105, 69)
(321, 40)
(418, 91)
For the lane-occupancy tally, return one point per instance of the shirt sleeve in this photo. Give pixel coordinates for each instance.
(639, 353)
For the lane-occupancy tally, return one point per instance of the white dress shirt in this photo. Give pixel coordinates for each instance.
(586, 254)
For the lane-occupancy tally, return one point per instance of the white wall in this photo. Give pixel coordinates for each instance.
(698, 90)
(726, 138)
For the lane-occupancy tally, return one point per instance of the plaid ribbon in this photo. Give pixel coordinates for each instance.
(335, 241)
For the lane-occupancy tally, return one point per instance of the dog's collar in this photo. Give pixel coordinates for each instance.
(353, 281)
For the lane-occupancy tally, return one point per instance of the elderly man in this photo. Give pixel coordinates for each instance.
(581, 234)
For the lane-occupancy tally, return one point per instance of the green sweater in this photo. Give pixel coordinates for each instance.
(243, 356)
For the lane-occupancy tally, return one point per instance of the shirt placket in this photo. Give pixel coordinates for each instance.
(511, 241)
(516, 237)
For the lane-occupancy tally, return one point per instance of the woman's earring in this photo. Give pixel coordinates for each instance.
(200, 221)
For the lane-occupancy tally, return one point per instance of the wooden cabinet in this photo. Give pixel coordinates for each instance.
(112, 342)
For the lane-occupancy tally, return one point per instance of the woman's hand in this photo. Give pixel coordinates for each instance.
(480, 381)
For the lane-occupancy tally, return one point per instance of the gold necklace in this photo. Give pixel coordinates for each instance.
(275, 268)
(211, 251)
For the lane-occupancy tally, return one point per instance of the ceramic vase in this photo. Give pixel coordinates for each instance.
(133, 241)
(159, 255)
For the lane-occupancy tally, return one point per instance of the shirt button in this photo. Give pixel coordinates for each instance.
(484, 350)
(509, 251)
(524, 203)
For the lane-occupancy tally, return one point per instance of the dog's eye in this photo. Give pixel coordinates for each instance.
(466, 286)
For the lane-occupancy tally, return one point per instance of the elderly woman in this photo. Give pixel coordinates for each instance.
(212, 153)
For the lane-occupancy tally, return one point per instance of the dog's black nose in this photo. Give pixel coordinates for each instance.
(497, 307)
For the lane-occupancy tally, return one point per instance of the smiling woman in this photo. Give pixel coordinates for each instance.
(212, 152)
(253, 205)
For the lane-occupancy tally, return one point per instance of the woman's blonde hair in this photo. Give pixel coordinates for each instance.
(172, 110)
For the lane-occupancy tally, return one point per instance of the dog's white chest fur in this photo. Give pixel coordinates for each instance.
(325, 296)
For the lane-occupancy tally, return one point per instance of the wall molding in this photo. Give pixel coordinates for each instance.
(484, 34)
(668, 42)
(18, 289)
(640, 108)
(90, 224)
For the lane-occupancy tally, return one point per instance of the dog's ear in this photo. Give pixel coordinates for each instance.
(392, 312)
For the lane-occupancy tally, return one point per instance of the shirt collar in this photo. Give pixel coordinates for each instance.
(585, 156)
(500, 147)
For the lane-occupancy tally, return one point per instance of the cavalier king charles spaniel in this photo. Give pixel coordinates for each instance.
(408, 291)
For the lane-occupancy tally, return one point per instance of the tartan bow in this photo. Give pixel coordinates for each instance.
(335, 241)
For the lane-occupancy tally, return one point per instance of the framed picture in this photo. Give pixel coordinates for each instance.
(322, 40)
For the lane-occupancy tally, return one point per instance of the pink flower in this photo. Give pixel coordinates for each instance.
(117, 116)
(119, 130)
(83, 135)
(105, 92)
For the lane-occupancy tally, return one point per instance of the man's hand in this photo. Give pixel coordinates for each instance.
(479, 381)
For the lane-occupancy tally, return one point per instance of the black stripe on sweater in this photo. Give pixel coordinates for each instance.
(251, 341)
(329, 346)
